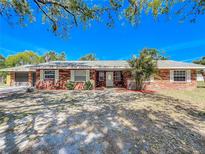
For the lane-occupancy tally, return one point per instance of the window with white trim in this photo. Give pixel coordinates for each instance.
(101, 76)
(49, 74)
(80, 75)
(180, 75)
(117, 76)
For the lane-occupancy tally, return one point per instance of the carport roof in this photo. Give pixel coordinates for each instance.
(23, 68)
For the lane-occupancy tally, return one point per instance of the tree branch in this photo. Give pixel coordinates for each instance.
(66, 8)
(54, 22)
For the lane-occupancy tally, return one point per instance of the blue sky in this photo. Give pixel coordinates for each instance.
(181, 41)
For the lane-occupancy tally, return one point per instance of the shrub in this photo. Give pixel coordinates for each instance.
(88, 85)
(70, 85)
(30, 89)
(144, 66)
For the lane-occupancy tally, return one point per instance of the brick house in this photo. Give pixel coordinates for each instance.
(54, 75)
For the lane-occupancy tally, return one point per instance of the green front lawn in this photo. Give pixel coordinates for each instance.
(2, 85)
(195, 96)
(201, 84)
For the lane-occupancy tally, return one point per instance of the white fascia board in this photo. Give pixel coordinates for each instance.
(181, 67)
(83, 68)
(111, 69)
(16, 69)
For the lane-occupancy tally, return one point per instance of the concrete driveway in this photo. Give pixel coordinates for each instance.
(6, 91)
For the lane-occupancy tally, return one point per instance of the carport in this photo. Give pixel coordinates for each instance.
(20, 76)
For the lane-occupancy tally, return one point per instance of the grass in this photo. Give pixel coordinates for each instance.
(2, 85)
(196, 96)
(201, 84)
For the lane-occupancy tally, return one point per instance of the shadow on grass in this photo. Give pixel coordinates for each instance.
(111, 128)
(128, 131)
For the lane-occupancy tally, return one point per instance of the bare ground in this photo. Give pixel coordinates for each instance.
(106, 121)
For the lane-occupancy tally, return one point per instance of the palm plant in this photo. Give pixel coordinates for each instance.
(143, 67)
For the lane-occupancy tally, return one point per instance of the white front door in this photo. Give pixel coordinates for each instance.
(109, 79)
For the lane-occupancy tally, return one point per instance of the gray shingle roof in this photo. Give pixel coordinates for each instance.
(177, 64)
(102, 64)
(112, 64)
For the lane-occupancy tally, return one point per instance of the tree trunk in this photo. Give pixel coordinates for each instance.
(139, 83)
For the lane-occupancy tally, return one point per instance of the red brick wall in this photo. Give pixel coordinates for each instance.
(164, 74)
(163, 82)
(166, 84)
(92, 74)
(80, 85)
(64, 76)
(126, 76)
(100, 83)
(103, 83)
(193, 75)
(118, 83)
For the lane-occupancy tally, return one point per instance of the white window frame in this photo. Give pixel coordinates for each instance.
(49, 74)
(85, 75)
(118, 76)
(178, 75)
(101, 76)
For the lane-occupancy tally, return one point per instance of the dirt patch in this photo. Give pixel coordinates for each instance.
(107, 121)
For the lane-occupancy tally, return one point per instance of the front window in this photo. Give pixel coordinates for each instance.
(49, 75)
(179, 75)
(117, 76)
(80, 75)
(101, 76)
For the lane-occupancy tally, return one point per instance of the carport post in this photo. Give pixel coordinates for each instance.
(30, 78)
(12, 78)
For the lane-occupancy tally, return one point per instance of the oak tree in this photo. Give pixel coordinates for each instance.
(62, 15)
